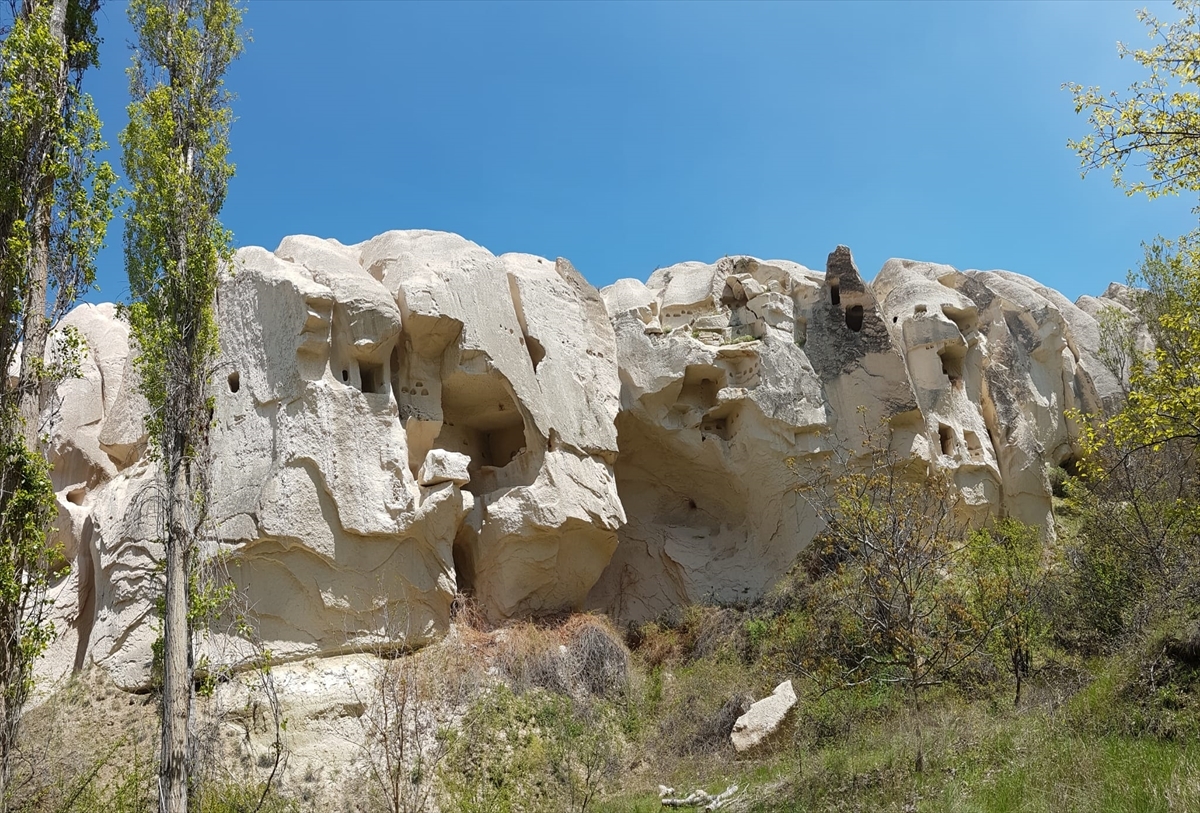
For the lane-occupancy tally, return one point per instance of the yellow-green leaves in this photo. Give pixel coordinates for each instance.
(1157, 119)
(175, 154)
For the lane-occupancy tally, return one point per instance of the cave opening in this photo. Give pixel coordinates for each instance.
(701, 383)
(974, 447)
(371, 378)
(946, 436)
(953, 358)
(854, 317)
(464, 563)
(481, 420)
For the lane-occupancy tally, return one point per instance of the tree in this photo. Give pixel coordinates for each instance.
(1157, 120)
(175, 154)
(55, 204)
(893, 610)
(1005, 580)
(1140, 509)
(1139, 498)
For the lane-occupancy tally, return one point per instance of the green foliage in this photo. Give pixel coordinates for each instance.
(243, 797)
(1004, 580)
(176, 149)
(1163, 383)
(25, 564)
(130, 790)
(741, 339)
(529, 753)
(49, 140)
(1137, 503)
(885, 598)
(1158, 118)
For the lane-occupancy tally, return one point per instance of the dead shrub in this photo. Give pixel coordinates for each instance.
(530, 657)
(598, 659)
(583, 656)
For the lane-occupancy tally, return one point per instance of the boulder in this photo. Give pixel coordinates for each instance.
(763, 718)
(441, 466)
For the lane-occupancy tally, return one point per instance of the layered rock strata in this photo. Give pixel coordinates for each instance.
(410, 418)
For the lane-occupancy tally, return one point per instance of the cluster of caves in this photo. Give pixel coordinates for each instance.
(854, 314)
(473, 411)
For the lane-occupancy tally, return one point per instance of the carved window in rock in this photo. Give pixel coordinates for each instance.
(946, 439)
(974, 447)
(483, 421)
(953, 358)
(372, 380)
(854, 317)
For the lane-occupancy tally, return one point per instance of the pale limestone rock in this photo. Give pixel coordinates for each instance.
(411, 417)
(394, 422)
(998, 364)
(757, 379)
(763, 718)
(441, 466)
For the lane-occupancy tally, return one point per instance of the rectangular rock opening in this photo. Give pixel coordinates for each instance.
(718, 427)
(482, 421)
(974, 447)
(701, 383)
(854, 317)
(953, 358)
(946, 436)
(371, 378)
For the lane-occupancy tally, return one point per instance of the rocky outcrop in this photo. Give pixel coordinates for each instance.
(410, 418)
(394, 422)
(744, 379)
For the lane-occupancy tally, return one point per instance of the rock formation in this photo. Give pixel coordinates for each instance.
(412, 417)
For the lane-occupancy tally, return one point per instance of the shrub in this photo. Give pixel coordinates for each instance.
(530, 753)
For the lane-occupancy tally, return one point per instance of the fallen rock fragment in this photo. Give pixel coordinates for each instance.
(763, 718)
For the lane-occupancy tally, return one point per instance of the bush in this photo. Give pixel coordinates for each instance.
(530, 753)
(584, 656)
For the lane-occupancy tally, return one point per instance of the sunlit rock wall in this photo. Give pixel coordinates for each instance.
(411, 418)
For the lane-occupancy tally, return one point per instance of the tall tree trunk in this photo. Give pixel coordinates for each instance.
(177, 682)
(36, 328)
(16, 664)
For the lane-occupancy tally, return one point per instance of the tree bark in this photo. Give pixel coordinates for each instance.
(177, 683)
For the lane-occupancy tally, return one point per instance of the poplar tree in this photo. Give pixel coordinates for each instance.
(175, 154)
(55, 204)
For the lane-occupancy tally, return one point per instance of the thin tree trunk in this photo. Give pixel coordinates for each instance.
(177, 684)
(36, 329)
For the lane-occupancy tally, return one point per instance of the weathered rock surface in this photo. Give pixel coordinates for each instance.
(394, 422)
(763, 718)
(744, 379)
(412, 417)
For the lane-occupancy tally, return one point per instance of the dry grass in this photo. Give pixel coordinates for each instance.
(581, 655)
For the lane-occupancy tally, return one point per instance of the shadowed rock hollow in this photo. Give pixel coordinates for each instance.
(412, 417)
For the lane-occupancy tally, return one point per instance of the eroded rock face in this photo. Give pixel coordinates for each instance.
(743, 379)
(412, 417)
(394, 422)
(737, 379)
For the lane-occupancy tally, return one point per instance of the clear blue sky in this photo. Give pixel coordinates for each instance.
(628, 136)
